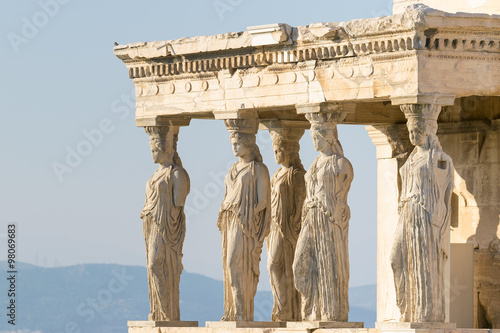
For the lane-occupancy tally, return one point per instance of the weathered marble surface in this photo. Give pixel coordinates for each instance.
(421, 246)
(314, 325)
(287, 197)
(245, 324)
(472, 144)
(158, 324)
(321, 264)
(453, 6)
(415, 325)
(418, 51)
(297, 330)
(244, 221)
(164, 224)
(362, 64)
(487, 263)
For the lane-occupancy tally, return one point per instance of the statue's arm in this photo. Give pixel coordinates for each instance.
(299, 193)
(181, 187)
(263, 187)
(447, 195)
(347, 174)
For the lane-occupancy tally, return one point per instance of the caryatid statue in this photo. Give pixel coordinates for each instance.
(244, 221)
(321, 264)
(287, 197)
(164, 224)
(422, 240)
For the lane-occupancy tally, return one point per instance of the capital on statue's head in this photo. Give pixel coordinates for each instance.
(248, 126)
(421, 111)
(326, 117)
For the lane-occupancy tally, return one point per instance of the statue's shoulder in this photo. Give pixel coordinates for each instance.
(344, 164)
(180, 173)
(261, 168)
(298, 172)
(276, 174)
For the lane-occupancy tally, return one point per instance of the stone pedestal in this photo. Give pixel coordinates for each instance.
(153, 324)
(412, 326)
(245, 324)
(403, 328)
(308, 325)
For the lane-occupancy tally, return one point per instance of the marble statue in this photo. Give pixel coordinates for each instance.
(321, 263)
(244, 221)
(164, 224)
(287, 197)
(422, 243)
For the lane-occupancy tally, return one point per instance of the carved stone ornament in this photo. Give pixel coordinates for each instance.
(421, 244)
(287, 198)
(321, 264)
(164, 224)
(244, 221)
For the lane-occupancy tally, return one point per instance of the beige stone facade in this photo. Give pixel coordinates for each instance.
(370, 69)
(453, 6)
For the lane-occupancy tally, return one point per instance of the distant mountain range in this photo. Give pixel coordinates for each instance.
(101, 298)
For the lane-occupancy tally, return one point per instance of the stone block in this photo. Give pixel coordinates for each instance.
(414, 325)
(158, 323)
(323, 324)
(245, 324)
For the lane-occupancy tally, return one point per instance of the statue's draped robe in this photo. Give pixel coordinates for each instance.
(164, 232)
(243, 232)
(321, 264)
(287, 198)
(422, 236)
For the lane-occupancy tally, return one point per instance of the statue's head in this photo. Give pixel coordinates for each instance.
(324, 131)
(281, 152)
(286, 145)
(161, 143)
(422, 132)
(323, 136)
(245, 143)
(242, 137)
(422, 124)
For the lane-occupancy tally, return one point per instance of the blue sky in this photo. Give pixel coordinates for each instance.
(64, 91)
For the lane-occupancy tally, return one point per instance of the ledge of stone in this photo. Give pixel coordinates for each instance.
(161, 323)
(245, 324)
(413, 325)
(323, 324)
